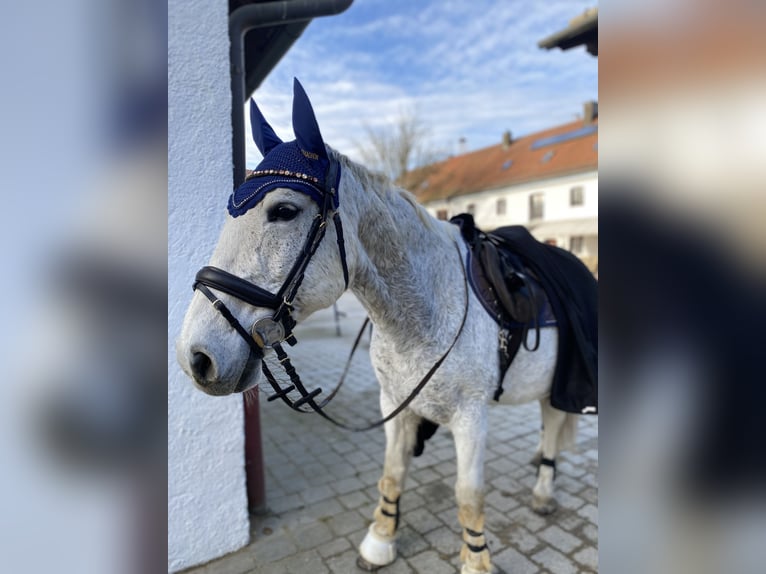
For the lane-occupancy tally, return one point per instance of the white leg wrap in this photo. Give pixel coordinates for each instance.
(377, 550)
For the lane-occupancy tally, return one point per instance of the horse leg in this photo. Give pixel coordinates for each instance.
(379, 545)
(470, 439)
(542, 494)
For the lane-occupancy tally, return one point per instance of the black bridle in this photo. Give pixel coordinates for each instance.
(268, 331)
(271, 332)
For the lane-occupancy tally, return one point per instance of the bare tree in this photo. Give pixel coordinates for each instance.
(398, 148)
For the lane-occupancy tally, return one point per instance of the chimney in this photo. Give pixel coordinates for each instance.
(590, 112)
(507, 139)
(462, 146)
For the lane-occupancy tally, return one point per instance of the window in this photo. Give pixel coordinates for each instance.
(576, 195)
(535, 206)
(441, 214)
(500, 206)
(576, 243)
(470, 208)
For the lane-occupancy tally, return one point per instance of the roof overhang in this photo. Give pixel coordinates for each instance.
(265, 45)
(581, 30)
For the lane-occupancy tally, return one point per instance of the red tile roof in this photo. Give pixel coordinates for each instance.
(489, 168)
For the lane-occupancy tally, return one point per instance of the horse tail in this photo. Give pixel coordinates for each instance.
(567, 438)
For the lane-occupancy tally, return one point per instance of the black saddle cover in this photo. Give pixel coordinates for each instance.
(570, 290)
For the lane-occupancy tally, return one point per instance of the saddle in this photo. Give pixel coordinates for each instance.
(526, 278)
(508, 290)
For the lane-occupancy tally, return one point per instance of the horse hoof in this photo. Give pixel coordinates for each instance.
(362, 564)
(544, 508)
(376, 551)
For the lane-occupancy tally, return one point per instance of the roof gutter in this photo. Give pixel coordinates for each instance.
(250, 17)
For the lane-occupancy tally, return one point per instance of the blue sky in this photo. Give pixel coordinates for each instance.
(470, 68)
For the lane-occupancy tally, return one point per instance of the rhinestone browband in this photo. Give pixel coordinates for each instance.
(283, 172)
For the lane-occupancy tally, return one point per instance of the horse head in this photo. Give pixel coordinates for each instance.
(270, 268)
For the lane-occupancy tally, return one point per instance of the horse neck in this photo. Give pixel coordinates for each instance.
(406, 262)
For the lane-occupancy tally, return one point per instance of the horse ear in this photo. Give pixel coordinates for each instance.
(263, 134)
(305, 123)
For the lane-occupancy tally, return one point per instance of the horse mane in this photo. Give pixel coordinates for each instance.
(384, 188)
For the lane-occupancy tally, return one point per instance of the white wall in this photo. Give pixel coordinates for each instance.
(557, 207)
(207, 500)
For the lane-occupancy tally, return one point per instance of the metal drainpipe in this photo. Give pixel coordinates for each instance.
(249, 17)
(241, 21)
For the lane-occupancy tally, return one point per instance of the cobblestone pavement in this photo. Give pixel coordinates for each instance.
(321, 482)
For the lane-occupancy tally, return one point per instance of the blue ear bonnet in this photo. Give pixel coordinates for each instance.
(302, 164)
(285, 166)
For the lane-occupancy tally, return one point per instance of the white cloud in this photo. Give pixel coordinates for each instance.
(471, 68)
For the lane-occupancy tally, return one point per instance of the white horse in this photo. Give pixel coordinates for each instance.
(405, 268)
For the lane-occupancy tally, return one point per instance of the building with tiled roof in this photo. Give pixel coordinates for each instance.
(546, 181)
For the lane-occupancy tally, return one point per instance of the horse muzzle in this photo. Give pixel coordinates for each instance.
(213, 371)
(211, 385)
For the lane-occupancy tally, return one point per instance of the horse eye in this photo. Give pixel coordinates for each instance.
(283, 212)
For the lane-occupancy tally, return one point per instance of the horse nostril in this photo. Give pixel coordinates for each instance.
(200, 364)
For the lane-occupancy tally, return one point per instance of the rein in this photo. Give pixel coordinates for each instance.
(307, 398)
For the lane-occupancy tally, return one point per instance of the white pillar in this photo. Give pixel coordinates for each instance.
(207, 497)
